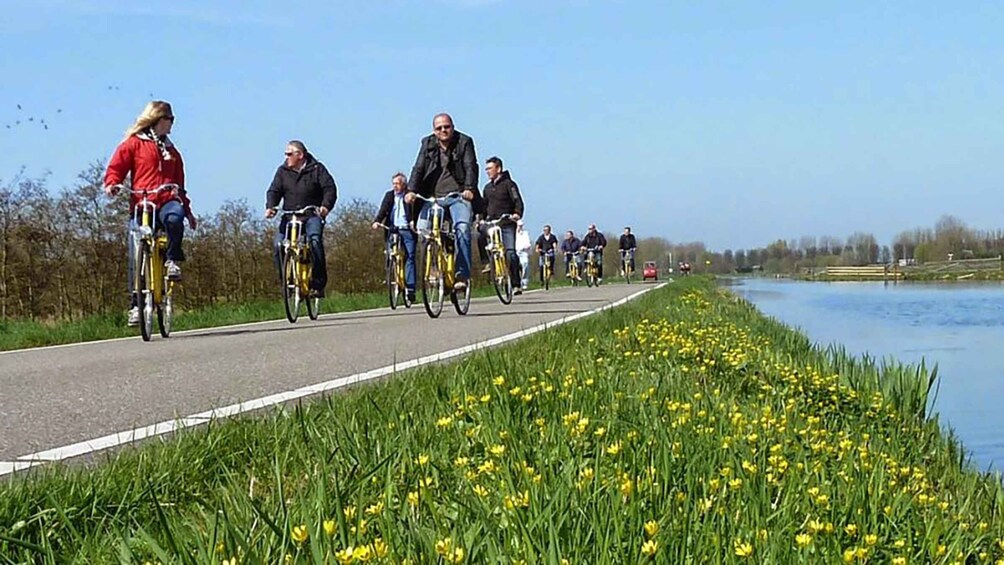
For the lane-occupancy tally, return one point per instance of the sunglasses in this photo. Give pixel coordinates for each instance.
(444, 128)
(168, 118)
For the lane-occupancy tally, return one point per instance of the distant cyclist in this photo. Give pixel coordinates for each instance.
(398, 215)
(627, 243)
(447, 164)
(595, 240)
(570, 248)
(300, 181)
(546, 246)
(501, 196)
(148, 156)
(523, 250)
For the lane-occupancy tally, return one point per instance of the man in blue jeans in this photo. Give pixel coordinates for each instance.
(396, 214)
(303, 181)
(446, 165)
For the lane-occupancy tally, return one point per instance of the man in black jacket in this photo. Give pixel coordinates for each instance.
(597, 241)
(570, 247)
(627, 243)
(501, 196)
(446, 164)
(397, 215)
(546, 246)
(303, 181)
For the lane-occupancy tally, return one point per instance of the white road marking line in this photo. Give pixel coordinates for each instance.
(120, 438)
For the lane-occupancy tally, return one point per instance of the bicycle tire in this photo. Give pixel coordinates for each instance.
(547, 276)
(501, 280)
(144, 298)
(433, 283)
(313, 307)
(462, 304)
(391, 280)
(165, 314)
(290, 287)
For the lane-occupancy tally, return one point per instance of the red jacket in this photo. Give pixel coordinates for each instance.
(140, 156)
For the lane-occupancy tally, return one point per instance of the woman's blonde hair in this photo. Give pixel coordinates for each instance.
(151, 114)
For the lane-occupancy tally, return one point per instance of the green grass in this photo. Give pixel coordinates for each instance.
(684, 424)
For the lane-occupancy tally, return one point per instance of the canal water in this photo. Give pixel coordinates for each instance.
(959, 327)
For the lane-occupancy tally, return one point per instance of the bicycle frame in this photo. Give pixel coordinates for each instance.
(144, 222)
(437, 233)
(296, 251)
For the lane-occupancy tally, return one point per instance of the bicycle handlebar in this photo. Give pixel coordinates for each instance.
(499, 221)
(436, 199)
(301, 212)
(159, 189)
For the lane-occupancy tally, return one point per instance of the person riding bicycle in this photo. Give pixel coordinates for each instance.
(501, 196)
(300, 181)
(627, 243)
(399, 216)
(523, 250)
(148, 156)
(571, 248)
(595, 240)
(546, 246)
(447, 164)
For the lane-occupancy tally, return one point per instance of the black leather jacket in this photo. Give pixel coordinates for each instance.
(463, 164)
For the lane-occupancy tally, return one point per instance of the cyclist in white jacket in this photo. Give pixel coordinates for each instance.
(523, 250)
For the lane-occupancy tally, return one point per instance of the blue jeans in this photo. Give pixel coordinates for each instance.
(170, 218)
(460, 211)
(313, 228)
(408, 242)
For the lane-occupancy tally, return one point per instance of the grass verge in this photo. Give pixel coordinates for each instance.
(683, 427)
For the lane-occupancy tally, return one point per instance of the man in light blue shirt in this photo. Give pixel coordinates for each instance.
(398, 217)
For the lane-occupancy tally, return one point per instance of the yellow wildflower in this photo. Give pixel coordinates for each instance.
(650, 547)
(329, 527)
(300, 533)
(651, 528)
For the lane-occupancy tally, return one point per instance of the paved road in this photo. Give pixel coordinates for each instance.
(54, 397)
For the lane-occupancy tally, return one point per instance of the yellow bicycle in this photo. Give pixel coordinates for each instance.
(499, 263)
(396, 259)
(297, 265)
(439, 261)
(152, 290)
(627, 263)
(547, 260)
(572, 271)
(591, 268)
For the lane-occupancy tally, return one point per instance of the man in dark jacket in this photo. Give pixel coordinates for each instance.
(398, 216)
(570, 247)
(303, 181)
(545, 246)
(627, 243)
(446, 164)
(501, 196)
(595, 240)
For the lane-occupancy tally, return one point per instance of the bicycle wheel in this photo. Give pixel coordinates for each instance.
(462, 301)
(165, 314)
(313, 307)
(144, 298)
(392, 290)
(306, 275)
(547, 275)
(590, 276)
(627, 272)
(433, 285)
(290, 287)
(501, 279)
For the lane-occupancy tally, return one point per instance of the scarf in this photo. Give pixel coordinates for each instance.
(162, 143)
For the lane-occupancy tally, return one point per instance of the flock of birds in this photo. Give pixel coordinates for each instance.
(24, 119)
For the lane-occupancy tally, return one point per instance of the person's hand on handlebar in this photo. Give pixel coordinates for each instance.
(467, 194)
(409, 198)
(376, 225)
(192, 222)
(269, 212)
(112, 189)
(323, 211)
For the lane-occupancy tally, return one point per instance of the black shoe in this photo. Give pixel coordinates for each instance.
(410, 295)
(316, 293)
(517, 292)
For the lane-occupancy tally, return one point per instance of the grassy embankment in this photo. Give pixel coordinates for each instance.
(684, 427)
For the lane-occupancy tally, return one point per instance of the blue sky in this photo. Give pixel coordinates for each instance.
(734, 123)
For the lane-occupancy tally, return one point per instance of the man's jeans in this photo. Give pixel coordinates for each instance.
(313, 227)
(408, 242)
(509, 243)
(170, 217)
(460, 211)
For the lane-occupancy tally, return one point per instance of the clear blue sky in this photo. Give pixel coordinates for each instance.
(734, 123)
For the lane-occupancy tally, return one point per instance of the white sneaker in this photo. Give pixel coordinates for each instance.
(173, 270)
(133, 320)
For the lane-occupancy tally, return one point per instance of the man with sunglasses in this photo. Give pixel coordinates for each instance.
(447, 165)
(302, 181)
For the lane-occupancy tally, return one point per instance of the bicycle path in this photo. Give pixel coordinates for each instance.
(58, 396)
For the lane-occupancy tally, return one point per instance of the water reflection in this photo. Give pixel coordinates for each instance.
(959, 327)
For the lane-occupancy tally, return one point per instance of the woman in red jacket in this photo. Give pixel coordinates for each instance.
(147, 154)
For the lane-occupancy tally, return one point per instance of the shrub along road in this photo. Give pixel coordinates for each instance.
(70, 395)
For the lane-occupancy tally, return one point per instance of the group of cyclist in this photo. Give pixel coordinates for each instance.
(445, 171)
